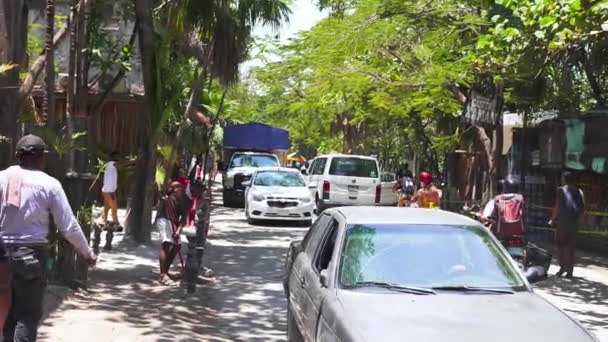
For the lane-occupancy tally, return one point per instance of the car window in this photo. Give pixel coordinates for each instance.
(387, 177)
(425, 256)
(353, 167)
(319, 166)
(315, 234)
(279, 178)
(253, 160)
(326, 247)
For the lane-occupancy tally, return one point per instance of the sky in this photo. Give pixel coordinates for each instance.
(305, 15)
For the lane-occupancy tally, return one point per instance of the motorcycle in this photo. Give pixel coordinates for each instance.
(533, 260)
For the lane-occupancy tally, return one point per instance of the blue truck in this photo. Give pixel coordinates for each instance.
(248, 147)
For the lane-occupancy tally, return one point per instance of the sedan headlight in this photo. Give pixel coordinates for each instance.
(257, 198)
(306, 199)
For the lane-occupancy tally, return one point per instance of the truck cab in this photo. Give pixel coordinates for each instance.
(240, 168)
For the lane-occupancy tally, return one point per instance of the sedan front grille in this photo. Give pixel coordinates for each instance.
(282, 204)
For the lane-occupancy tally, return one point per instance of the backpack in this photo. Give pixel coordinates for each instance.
(509, 215)
(573, 202)
(407, 185)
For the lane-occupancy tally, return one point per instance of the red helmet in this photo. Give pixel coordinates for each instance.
(425, 177)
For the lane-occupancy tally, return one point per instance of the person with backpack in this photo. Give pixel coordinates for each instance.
(506, 213)
(406, 189)
(567, 215)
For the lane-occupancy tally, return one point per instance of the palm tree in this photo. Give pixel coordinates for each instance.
(214, 32)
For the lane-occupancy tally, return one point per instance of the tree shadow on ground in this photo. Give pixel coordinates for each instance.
(584, 299)
(243, 302)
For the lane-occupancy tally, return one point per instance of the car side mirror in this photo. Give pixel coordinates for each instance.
(246, 183)
(312, 186)
(325, 278)
(304, 172)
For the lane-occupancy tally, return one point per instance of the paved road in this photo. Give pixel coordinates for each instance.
(250, 303)
(250, 261)
(244, 300)
(585, 297)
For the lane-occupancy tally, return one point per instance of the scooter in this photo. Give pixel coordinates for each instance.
(533, 260)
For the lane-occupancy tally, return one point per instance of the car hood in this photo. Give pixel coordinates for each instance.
(456, 317)
(280, 191)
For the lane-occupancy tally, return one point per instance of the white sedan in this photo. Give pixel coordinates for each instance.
(278, 194)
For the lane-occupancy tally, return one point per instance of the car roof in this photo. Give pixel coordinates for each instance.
(395, 215)
(344, 156)
(278, 169)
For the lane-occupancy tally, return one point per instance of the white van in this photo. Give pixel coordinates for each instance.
(344, 180)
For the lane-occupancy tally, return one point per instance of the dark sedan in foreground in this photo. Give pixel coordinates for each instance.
(393, 274)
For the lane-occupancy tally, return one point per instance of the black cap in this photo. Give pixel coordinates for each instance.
(31, 143)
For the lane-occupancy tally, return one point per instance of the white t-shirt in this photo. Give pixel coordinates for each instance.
(110, 178)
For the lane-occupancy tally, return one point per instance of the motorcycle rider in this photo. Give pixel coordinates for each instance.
(429, 196)
(405, 188)
(508, 189)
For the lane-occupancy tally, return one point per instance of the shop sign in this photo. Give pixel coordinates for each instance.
(482, 110)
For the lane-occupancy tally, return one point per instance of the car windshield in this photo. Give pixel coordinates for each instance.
(279, 178)
(354, 167)
(425, 256)
(254, 160)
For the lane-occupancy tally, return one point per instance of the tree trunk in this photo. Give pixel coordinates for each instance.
(48, 105)
(36, 69)
(13, 43)
(139, 221)
(69, 106)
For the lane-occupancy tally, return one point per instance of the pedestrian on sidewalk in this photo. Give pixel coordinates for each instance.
(109, 188)
(209, 168)
(567, 216)
(27, 196)
(221, 166)
(171, 217)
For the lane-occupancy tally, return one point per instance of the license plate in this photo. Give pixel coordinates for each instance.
(353, 188)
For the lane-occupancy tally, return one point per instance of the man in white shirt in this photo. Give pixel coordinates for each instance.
(27, 196)
(110, 185)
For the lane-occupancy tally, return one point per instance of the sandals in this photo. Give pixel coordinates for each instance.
(166, 281)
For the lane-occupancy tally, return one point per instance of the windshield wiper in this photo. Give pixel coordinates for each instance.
(396, 287)
(472, 289)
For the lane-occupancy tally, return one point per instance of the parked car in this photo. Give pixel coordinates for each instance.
(240, 168)
(342, 180)
(278, 194)
(366, 274)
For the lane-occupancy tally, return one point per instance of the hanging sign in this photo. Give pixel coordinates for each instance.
(482, 110)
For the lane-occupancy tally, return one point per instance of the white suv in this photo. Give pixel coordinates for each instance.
(344, 180)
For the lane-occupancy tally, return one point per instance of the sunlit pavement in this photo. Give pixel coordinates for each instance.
(585, 297)
(244, 300)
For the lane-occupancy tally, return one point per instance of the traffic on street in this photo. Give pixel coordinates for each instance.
(303, 170)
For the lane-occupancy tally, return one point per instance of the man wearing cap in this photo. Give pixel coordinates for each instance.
(27, 196)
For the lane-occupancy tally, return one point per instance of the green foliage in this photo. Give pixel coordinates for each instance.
(549, 51)
(60, 141)
(371, 79)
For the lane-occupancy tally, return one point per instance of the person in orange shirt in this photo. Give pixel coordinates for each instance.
(429, 196)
